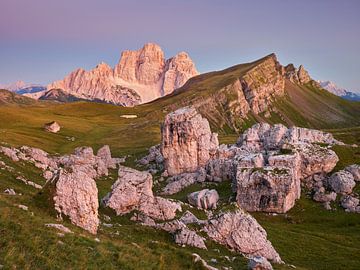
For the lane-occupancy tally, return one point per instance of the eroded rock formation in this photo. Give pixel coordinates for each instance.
(187, 141)
(140, 76)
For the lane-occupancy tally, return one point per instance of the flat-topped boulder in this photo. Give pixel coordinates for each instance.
(187, 141)
(204, 199)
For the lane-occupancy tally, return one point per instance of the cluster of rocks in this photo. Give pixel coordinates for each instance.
(72, 177)
(267, 168)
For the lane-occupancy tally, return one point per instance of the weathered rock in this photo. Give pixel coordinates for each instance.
(204, 199)
(324, 197)
(188, 237)
(190, 218)
(59, 227)
(259, 263)
(9, 152)
(350, 203)
(355, 171)
(10, 191)
(76, 196)
(133, 191)
(178, 182)
(342, 182)
(218, 170)
(104, 153)
(140, 76)
(159, 208)
(315, 159)
(241, 232)
(23, 207)
(153, 156)
(127, 191)
(203, 263)
(187, 141)
(269, 189)
(300, 76)
(171, 226)
(52, 127)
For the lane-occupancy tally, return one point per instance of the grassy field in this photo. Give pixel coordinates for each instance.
(308, 236)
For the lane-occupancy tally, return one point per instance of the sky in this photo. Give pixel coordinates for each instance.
(43, 40)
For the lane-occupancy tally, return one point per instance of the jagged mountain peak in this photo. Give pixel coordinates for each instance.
(144, 72)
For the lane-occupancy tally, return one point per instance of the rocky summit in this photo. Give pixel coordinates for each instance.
(140, 76)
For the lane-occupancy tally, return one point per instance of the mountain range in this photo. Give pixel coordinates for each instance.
(341, 92)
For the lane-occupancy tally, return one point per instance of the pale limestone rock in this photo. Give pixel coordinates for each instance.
(9, 191)
(259, 263)
(153, 156)
(269, 189)
(133, 191)
(342, 182)
(140, 76)
(59, 227)
(350, 203)
(104, 153)
(204, 264)
(324, 197)
(159, 208)
(190, 218)
(241, 232)
(9, 152)
(204, 199)
(127, 191)
(178, 182)
(178, 70)
(52, 127)
(263, 83)
(188, 237)
(76, 196)
(23, 207)
(187, 141)
(299, 76)
(355, 171)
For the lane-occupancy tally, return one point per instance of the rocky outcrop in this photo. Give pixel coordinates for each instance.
(187, 141)
(140, 76)
(188, 237)
(350, 204)
(259, 263)
(76, 196)
(342, 182)
(299, 76)
(241, 232)
(133, 191)
(355, 171)
(263, 83)
(52, 127)
(204, 199)
(178, 182)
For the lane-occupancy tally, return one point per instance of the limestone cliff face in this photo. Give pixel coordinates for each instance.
(140, 76)
(262, 83)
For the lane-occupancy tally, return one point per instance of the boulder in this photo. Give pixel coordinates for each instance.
(104, 154)
(76, 196)
(127, 192)
(203, 263)
(204, 199)
(187, 142)
(269, 189)
(188, 237)
(133, 191)
(52, 127)
(355, 171)
(259, 263)
(178, 182)
(342, 182)
(324, 197)
(350, 203)
(241, 232)
(10, 153)
(190, 218)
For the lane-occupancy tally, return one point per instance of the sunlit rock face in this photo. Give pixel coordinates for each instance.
(140, 76)
(187, 141)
